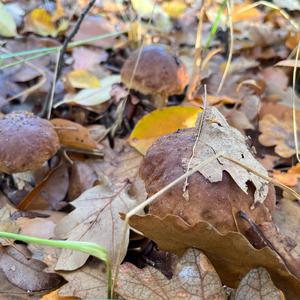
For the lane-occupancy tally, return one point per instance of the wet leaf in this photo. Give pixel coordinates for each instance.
(194, 277)
(73, 135)
(258, 285)
(25, 272)
(82, 79)
(95, 219)
(231, 254)
(8, 26)
(161, 122)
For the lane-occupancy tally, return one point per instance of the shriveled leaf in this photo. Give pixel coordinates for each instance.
(8, 26)
(39, 21)
(25, 272)
(161, 122)
(73, 135)
(258, 285)
(231, 254)
(194, 277)
(88, 282)
(93, 96)
(82, 79)
(95, 219)
(218, 136)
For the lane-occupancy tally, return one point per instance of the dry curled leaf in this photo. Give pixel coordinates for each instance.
(231, 254)
(194, 278)
(258, 285)
(73, 135)
(278, 133)
(161, 122)
(95, 219)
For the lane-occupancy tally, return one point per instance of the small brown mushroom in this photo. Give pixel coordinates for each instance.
(216, 203)
(158, 73)
(26, 142)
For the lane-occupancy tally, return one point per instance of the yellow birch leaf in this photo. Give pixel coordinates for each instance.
(174, 8)
(82, 79)
(161, 122)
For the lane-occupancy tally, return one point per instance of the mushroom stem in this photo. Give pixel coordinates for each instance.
(159, 100)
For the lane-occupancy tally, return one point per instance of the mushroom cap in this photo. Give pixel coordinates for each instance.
(216, 203)
(26, 142)
(158, 72)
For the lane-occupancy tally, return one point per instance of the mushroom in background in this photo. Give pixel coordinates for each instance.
(26, 142)
(158, 73)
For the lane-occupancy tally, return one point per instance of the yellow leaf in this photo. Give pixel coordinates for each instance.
(161, 122)
(174, 8)
(54, 296)
(82, 79)
(40, 22)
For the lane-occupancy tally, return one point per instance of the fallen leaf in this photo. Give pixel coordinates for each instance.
(194, 278)
(8, 27)
(288, 63)
(292, 40)
(278, 133)
(95, 219)
(161, 122)
(50, 192)
(86, 59)
(82, 79)
(73, 135)
(7, 223)
(289, 178)
(25, 272)
(231, 254)
(93, 96)
(258, 285)
(88, 282)
(242, 12)
(174, 8)
(39, 21)
(289, 4)
(55, 296)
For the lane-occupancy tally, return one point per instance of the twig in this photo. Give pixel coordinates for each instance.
(229, 4)
(46, 107)
(149, 201)
(199, 131)
(295, 129)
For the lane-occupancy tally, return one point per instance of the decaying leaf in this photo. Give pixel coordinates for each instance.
(95, 219)
(25, 272)
(258, 285)
(73, 135)
(278, 133)
(218, 136)
(88, 282)
(161, 122)
(231, 254)
(194, 278)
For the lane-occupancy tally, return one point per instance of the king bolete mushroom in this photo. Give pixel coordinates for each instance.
(158, 73)
(213, 201)
(26, 142)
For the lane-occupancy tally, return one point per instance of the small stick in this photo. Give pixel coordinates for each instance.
(46, 107)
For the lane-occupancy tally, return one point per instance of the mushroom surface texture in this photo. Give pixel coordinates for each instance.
(217, 203)
(26, 142)
(158, 73)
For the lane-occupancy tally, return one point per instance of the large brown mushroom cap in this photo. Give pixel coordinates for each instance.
(158, 72)
(26, 142)
(216, 203)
